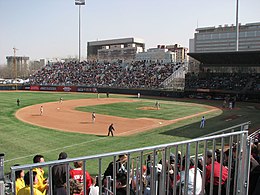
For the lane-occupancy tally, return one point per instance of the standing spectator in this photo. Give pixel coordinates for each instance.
(42, 181)
(77, 175)
(216, 174)
(121, 167)
(19, 179)
(202, 122)
(111, 129)
(198, 188)
(93, 116)
(59, 173)
(26, 190)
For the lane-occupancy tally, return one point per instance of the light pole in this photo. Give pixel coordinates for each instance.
(237, 30)
(79, 3)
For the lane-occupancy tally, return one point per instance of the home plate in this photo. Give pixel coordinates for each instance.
(160, 123)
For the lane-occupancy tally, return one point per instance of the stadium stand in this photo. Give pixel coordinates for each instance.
(134, 75)
(172, 166)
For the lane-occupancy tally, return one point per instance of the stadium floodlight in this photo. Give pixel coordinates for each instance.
(237, 30)
(79, 3)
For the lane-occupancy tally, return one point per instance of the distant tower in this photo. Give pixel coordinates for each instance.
(14, 64)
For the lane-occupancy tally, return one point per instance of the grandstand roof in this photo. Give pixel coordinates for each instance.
(228, 58)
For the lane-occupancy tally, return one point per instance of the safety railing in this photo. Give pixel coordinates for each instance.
(173, 168)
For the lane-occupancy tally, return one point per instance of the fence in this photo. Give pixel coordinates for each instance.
(168, 167)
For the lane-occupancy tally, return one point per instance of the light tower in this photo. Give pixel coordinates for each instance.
(79, 3)
(15, 67)
(237, 25)
(14, 64)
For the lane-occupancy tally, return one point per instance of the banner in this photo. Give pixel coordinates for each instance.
(79, 2)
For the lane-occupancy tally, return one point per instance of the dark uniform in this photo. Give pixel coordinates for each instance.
(110, 130)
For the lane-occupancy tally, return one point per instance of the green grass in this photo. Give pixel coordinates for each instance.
(167, 111)
(21, 141)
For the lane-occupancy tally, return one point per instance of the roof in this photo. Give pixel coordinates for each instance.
(228, 58)
(116, 41)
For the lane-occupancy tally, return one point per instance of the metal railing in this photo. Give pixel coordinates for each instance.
(169, 166)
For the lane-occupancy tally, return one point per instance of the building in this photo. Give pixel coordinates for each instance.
(157, 55)
(223, 38)
(19, 65)
(181, 52)
(124, 49)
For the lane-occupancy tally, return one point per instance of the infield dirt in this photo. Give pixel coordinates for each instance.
(64, 117)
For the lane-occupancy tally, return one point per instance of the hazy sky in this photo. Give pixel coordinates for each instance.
(49, 28)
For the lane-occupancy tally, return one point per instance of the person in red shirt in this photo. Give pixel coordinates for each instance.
(77, 174)
(216, 175)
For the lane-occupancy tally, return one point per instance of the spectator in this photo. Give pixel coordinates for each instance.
(216, 174)
(93, 189)
(59, 173)
(191, 188)
(42, 181)
(26, 190)
(121, 182)
(77, 176)
(121, 167)
(19, 179)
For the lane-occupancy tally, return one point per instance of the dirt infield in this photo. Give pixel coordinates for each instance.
(64, 117)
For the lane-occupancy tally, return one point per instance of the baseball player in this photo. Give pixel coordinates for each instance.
(41, 110)
(202, 123)
(93, 117)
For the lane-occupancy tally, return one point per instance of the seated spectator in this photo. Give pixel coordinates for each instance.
(216, 174)
(26, 190)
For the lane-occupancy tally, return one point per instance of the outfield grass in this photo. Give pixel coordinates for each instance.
(20, 141)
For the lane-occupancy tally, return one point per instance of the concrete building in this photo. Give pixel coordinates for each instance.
(157, 55)
(181, 52)
(124, 49)
(19, 65)
(223, 38)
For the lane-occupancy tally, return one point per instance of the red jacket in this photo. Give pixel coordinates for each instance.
(216, 173)
(77, 174)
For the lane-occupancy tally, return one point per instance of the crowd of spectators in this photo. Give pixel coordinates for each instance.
(223, 81)
(174, 168)
(94, 74)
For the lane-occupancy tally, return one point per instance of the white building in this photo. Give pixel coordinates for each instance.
(223, 38)
(158, 55)
(124, 49)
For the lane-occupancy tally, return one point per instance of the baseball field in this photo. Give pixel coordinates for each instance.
(67, 125)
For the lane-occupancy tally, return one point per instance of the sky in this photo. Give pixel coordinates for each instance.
(50, 28)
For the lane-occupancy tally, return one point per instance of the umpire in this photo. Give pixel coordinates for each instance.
(110, 130)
